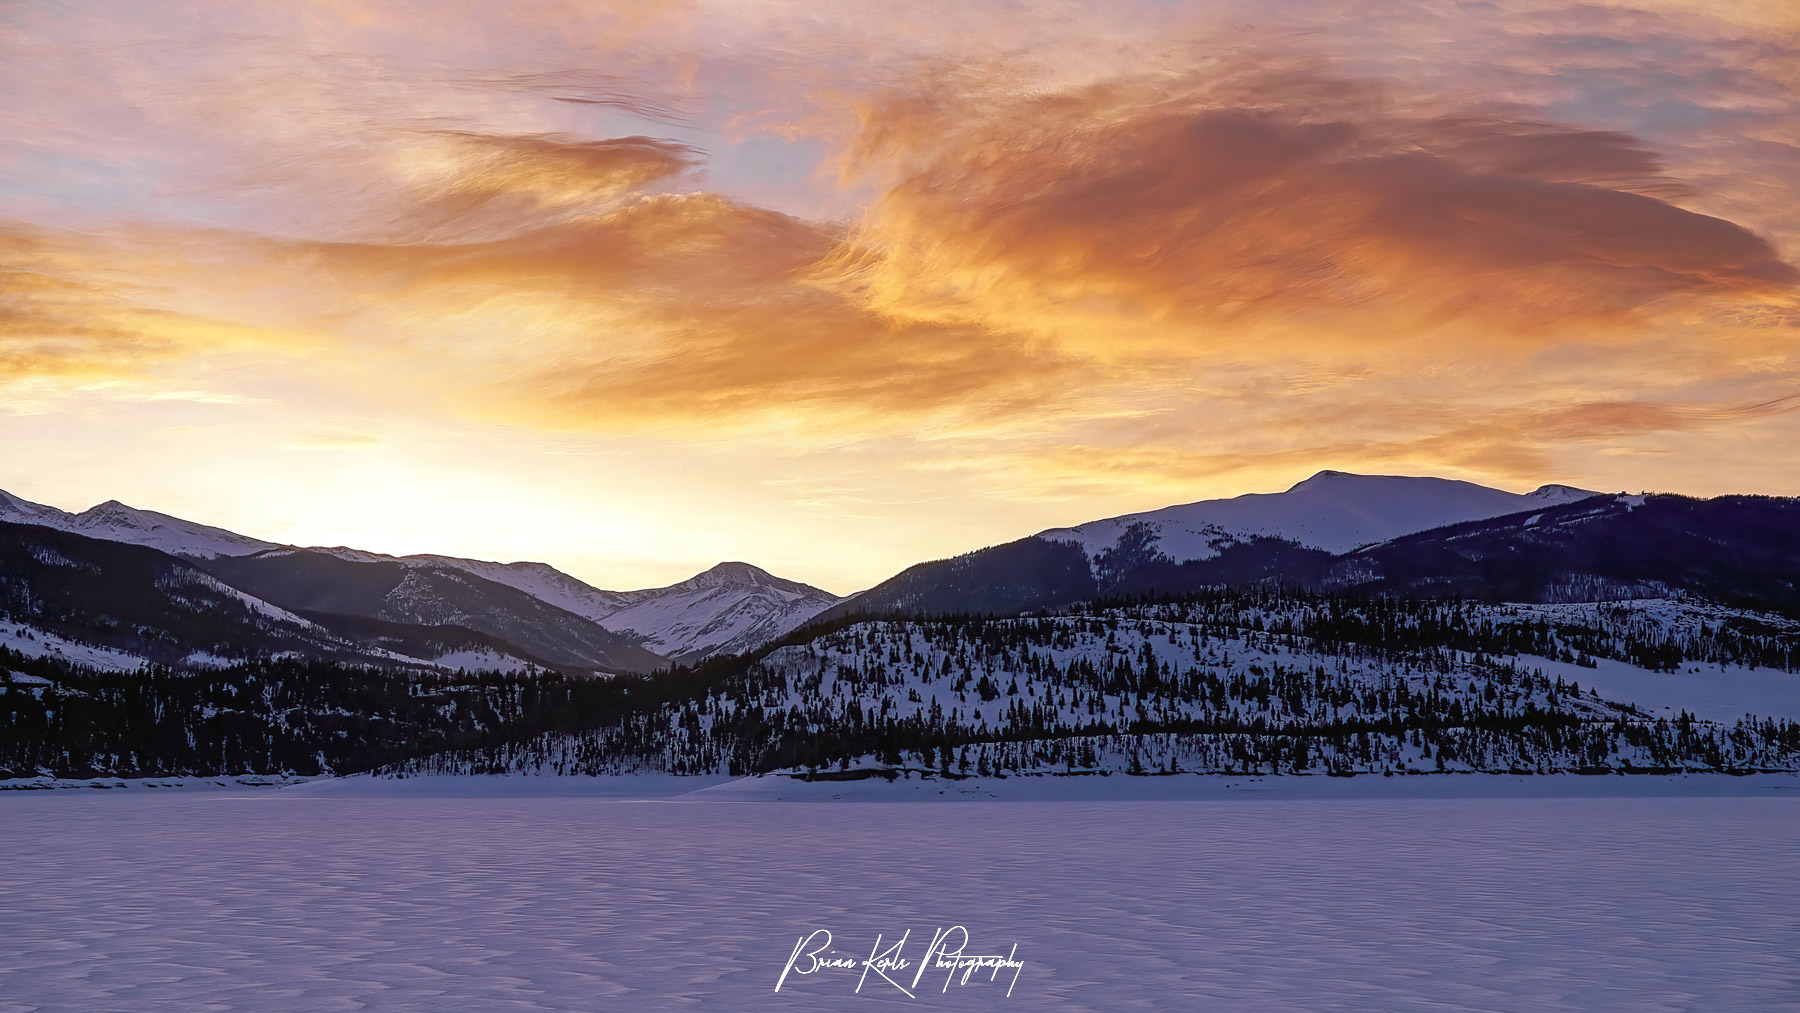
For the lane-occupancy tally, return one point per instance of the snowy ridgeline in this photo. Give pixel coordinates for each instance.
(1231, 682)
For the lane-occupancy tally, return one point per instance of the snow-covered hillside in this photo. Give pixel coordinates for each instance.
(1333, 511)
(33, 642)
(540, 580)
(1236, 682)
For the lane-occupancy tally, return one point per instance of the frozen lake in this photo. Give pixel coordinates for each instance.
(299, 900)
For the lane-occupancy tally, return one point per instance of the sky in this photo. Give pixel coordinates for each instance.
(838, 287)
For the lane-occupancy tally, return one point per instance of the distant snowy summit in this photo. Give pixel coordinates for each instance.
(1334, 511)
(728, 609)
(731, 607)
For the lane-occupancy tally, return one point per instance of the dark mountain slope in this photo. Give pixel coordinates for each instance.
(167, 610)
(1741, 550)
(1033, 574)
(321, 582)
(728, 608)
(142, 601)
(1001, 580)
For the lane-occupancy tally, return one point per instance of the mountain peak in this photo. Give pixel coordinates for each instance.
(1339, 479)
(116, 521)
(1554, 493)
(23, 511)
(737, 575)
(733, 572)
(1322, 478)
(112, 508)
(728, 608)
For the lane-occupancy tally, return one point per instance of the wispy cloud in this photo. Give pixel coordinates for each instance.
(1264, 192)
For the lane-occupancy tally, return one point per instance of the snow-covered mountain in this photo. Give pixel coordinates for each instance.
(1597, 633)
(113, 521)
(1285, 536)
(1333, 510)
(729, 608)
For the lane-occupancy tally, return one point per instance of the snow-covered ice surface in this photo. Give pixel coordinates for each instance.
(1217, 787)
(320, 897)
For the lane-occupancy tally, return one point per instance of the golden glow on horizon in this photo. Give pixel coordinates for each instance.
(541, 283)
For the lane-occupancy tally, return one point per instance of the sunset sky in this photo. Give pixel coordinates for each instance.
(838, 287)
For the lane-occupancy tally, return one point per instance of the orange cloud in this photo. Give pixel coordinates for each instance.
(461, 180)
(1159, 204)
(1115, 255)
(57, 318)
(1063, 256)
(122, 312)
(1279, 193)
(681, 309)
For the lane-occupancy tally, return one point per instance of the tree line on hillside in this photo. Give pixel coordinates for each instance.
(1225, 681)
(1228, 680)
(287, 716)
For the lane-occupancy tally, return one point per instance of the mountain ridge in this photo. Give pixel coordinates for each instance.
(116, 522)
(1290, 535)
(121, 605)
(1606, 633)
(689, 619)
(1375, 533)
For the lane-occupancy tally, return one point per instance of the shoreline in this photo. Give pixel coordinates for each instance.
(1187, 787)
